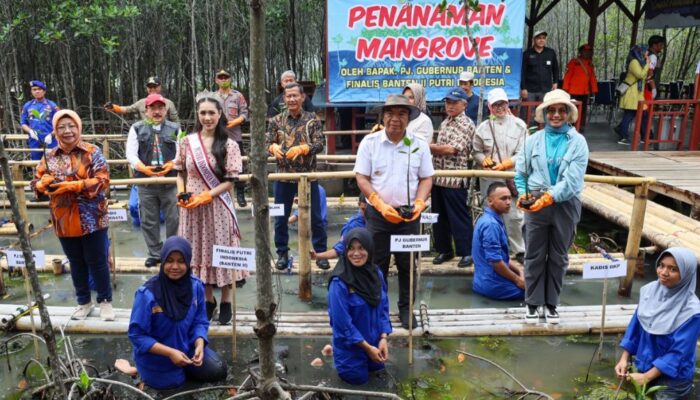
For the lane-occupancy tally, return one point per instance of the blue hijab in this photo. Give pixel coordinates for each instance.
(662, 310)
(173, 296)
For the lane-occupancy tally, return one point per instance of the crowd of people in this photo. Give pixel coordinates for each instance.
(519, 246)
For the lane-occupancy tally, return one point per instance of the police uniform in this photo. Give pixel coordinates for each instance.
(38, 116)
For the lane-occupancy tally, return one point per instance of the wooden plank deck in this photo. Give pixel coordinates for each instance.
(677, 172)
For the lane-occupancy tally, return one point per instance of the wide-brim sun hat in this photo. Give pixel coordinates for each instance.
(394, 100)
(556, 96)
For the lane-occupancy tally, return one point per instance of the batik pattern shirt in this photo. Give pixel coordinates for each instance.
(457, 132)
(288, 131)
(77, 214)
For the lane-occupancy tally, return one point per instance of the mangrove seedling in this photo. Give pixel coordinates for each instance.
(406, 211)
(642, 392)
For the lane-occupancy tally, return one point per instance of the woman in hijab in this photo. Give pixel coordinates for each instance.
(169, 324)
(549, 179)
(664, 330)
(75, 175)
(358, 307)
(422, 125)
(637, 68)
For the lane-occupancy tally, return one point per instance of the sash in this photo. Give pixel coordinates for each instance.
(201, 163)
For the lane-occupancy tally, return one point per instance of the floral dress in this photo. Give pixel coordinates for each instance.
(212, 223)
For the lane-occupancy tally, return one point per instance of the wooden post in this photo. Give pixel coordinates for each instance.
(28, 289)
(233, 317)
(21, 196)
(304, 195)
(105, 148)
(410, 309)
(634, 237)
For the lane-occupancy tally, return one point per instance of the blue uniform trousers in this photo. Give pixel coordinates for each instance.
(284, 194)
(454, 221)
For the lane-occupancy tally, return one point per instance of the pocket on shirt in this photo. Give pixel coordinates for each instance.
(232, 111)
(380, 168)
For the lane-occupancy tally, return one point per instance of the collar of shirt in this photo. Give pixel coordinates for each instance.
(82, 145)
(385, 138)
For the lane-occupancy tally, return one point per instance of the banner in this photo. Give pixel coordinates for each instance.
(661, 14)
(377, 47)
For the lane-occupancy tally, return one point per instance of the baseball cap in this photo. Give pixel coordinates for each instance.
(538, 33)
(154, 98)
(456, 93)
(496, 95)
(153, 81)
(223, 72)
(466, 76)
(38, 84)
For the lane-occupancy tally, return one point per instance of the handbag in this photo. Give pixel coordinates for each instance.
(510, 182)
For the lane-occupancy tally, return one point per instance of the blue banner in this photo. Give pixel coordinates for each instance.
(376, 47)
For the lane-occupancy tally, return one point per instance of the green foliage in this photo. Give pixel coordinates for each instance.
(84, 382)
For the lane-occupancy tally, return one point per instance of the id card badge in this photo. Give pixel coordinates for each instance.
(549, 62)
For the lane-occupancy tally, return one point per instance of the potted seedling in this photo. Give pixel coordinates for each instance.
(406, 211)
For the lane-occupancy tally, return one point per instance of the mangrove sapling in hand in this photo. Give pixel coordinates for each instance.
(406, 211)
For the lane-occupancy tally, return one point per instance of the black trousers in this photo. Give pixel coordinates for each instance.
(381, 231)
(239, 185)
(454, 221)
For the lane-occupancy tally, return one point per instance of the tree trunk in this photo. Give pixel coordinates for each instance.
(193, 66)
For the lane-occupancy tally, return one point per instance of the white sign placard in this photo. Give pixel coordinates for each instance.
(408, 243)
(117, 214)
(428, 218)
(16, 258)
(234, 258)
(277, 210)
(605, 269)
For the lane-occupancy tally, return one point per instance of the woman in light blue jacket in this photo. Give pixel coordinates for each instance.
(549, 177)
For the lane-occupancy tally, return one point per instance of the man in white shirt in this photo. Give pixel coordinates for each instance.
(394, 171)
(150, 149)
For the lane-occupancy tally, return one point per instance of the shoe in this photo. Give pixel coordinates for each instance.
(520, 257)
(240, 198)
(531, 314)
(623, 141)
(282, 261)
(551, 316)
(323, 264)
(403, 317)
(240, 284)
(225, 313)
(106, 311)
(442, 257)
(465, 261)
(151, 262)
(82, 311)
(211, 306)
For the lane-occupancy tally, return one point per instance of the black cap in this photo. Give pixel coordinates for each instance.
(153, 81)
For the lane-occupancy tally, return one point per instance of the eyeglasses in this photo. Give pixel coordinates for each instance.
(500, 104)
(561, 111)
(66, 128)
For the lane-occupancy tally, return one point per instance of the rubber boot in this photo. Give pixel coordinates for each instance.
(211, 306)
(225, 313)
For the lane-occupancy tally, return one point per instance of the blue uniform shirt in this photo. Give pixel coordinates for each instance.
(149, 325)
(38, 115)
(472, 109)
(672, 354)
(324, 205)
(356, 221)
(489, 245)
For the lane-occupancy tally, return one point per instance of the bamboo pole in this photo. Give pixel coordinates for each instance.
(233, 317)
(633, 238)
(410, 308)
(19, 193)
(303, 194)
(31, 314)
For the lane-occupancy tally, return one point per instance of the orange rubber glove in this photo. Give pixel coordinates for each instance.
(487, 162)
(276, 150)
(545, 201)
(201, 199)
(43, 184)
(376, 127)
(504, 166)
(389, 213)
(115, 108)
(418, 207)
(296, 151)
(145, 170)
(167, 167)
(66, 187)
(235, 122)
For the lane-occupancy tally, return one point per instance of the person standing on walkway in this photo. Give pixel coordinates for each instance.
(278, 104)
(497, 142)
(422, 126)
(540, 71)
(449, 194)
(466, 82)
(36, 118)
(294, 137)
(152, 87)
(664, 330)
(358, 307)
(150, 149)
(549, 177)
(637, 69)
(208, 162)
(383, 160)
(75, 175)
(579, 80)
(494, 275)
(236, 109)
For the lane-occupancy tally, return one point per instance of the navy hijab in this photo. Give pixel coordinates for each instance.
(364, 280)
(173, 296)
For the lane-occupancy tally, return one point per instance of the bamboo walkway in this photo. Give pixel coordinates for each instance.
(662, 226)
(437, 323)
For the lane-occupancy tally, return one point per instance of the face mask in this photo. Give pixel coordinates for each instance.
(226, 85)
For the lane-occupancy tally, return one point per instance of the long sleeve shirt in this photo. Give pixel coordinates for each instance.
(532, 164)
(38, 115)
(288, 131)
(356, 221)
(507, 134)
(132, 145)
(235, 106)
(579, 78)
(149, 325)
(672, 354)
(140, 108)
(539, 70)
